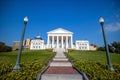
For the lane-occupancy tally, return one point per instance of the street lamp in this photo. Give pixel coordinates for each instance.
(110, 67)
(17, 66)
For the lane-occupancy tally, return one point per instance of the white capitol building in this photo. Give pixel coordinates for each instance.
(59, 38)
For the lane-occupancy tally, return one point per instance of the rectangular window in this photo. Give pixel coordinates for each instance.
(79, 47)
(33, 46)
(82, 47)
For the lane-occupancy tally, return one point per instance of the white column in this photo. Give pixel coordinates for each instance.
(48, 41)
(71, 42)
(62, 41)
(57, 42)
(52, 41)
(66, 41)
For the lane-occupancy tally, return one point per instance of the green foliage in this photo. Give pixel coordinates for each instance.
(93, 63)
(116, 45)
(32, 63)
(113, 48)
(71, 50)
(101, 49)
(28, 71)
(4, 48)
(49, 50)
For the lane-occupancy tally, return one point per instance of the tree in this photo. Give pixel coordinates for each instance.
(93, 45)
(116, 46)
(4, 48)
(111, 48)
(101, 49)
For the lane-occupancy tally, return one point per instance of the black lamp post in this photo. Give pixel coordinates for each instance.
(110, 67)
(17, 66)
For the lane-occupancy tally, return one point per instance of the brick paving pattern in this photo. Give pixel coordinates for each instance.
(61, 70)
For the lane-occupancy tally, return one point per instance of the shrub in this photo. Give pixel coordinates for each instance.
(49, 50)
(95, 70)
(70, 50)
(98, 70)
(28, 71)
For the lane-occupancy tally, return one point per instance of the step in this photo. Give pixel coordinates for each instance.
(60, 59)
(60, 64)
(57, 59)
(61, 77)
(60, 56)
(61, 70)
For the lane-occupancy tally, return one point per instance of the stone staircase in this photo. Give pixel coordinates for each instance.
(61, 69)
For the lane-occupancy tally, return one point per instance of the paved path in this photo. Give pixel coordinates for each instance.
(61, 69)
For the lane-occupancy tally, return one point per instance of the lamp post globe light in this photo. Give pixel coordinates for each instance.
(110, 67)
(17, 66)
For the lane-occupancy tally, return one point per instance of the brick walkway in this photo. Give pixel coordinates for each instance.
(61, 69)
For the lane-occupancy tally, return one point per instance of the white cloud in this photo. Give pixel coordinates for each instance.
(113, 27)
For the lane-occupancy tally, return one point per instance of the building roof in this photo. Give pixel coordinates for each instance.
(38, 37)
(59, 30)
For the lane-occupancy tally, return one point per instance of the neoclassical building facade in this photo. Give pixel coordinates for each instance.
(37, 43)
(82, 45)
(60, 38)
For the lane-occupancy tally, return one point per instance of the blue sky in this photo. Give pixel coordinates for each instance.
(79, 16)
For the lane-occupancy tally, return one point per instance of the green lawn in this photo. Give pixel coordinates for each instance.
(26, 56)
(98, 56)
(94, 64)
(32, 63)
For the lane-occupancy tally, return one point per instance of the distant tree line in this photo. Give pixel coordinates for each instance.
(113, 47)
(5, 48)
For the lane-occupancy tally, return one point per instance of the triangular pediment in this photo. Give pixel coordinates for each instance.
(60, 30)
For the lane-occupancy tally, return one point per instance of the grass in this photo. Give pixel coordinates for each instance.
(94, 56)
(94, 64)
(26, 56)
(32, 63)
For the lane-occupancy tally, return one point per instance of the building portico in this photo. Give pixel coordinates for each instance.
(60, 38)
